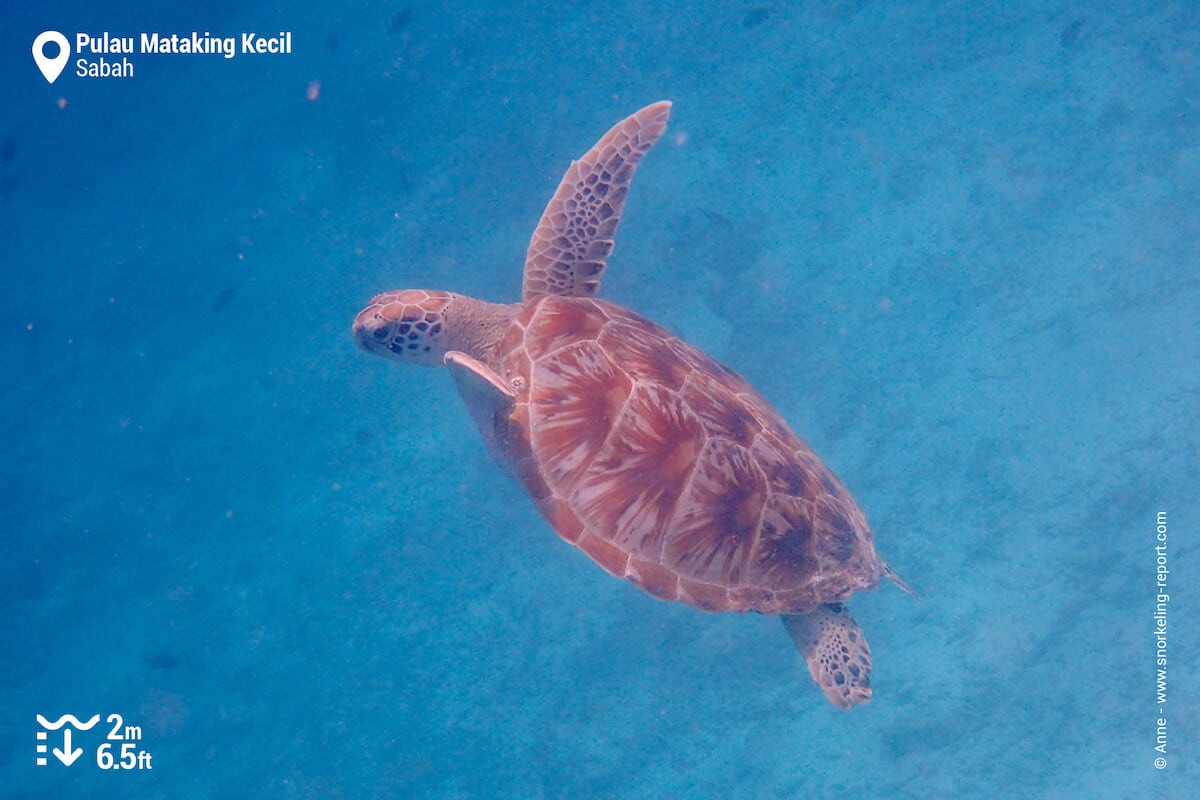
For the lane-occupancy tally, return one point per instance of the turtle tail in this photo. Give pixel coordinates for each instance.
(896, 579)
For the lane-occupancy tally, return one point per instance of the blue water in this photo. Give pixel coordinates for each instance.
(955, 244)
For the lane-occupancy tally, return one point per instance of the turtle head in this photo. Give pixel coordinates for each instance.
(419, 326)
(407, 325)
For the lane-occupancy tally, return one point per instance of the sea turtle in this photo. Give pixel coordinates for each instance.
(660, 463)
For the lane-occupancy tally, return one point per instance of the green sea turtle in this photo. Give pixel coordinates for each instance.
(661, 464)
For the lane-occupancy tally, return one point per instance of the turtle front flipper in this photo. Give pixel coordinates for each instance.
(568, 250)
(490, 401)
(838, 657)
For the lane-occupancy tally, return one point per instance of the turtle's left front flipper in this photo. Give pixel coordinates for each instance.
(490, 401)
(838, 657)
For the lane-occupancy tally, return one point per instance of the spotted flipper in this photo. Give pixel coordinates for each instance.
(838, 657)
(568, 250)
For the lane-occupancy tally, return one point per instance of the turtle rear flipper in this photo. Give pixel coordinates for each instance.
(838, 657)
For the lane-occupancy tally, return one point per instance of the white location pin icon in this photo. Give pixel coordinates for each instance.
(51, 67)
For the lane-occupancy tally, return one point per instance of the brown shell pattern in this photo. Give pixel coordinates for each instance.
(669, 470)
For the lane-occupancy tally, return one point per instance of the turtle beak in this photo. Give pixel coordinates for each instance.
(372, 333)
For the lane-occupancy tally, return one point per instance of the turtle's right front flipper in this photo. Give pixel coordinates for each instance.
(569, 249)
